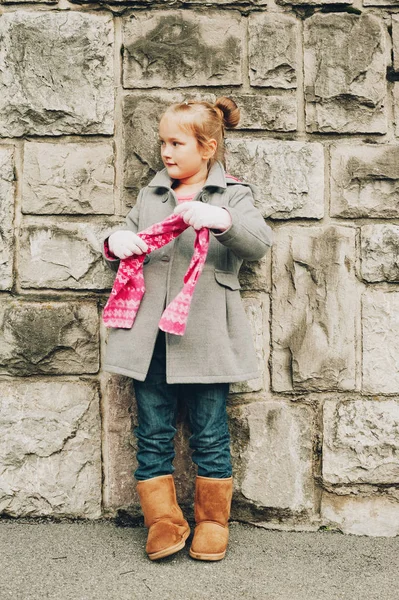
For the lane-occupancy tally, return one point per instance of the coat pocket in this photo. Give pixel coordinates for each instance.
(227, 279)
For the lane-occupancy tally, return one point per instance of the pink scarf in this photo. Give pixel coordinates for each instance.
(128, 289)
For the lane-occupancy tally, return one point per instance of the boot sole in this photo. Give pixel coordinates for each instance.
(202, 556)
(171, 550)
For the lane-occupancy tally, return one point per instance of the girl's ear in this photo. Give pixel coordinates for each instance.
(210, 149)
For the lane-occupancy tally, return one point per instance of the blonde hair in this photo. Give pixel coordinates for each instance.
(206, 121)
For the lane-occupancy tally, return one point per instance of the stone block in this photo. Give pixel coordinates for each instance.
(270, 113)
(365, 181)
(48, 337)
(56, 73)
(63, 256)
(345, 69)
(257, 310)
(273, 53)
(380, 324)
(361, 515)
(313, 324)
(68, 178)
(172, 49)
(272, 454)
(395, 41)
(361, 441)
(312, 2)
(50, 449)
(380, 3)
(255, 275)
(7, 192)
(289, 176)
(396, 107)
(379, 253)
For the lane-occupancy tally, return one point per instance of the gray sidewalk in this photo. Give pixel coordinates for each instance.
(100, 561)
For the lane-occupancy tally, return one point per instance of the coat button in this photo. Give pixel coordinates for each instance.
(165, 258)
(204, 197)
(165, 198)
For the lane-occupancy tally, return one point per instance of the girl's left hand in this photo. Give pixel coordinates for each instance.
(199, 215)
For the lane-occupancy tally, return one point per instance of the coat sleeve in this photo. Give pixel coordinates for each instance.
(248, 236)
(131, 223)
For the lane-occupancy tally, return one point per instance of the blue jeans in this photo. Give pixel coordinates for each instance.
(157, 403)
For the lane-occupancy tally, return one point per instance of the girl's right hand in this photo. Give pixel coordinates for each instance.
(125, 243)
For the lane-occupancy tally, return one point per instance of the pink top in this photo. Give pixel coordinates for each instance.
(185, 198)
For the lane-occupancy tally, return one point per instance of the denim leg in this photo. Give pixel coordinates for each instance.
(210, 439)
(157, 413)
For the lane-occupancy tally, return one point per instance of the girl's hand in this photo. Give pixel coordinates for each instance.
(125, 243)
(200, 215)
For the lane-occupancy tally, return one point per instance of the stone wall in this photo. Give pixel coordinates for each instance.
(316, 438)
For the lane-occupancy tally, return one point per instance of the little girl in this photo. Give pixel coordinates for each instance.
(216, 347)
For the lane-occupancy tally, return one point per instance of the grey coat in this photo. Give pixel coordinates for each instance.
(217, 345)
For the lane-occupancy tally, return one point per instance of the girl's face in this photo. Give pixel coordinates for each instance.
(180, 151)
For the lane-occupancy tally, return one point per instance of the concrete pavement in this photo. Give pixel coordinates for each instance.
(101, 561)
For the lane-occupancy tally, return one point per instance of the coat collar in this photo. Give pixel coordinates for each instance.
(216, 178)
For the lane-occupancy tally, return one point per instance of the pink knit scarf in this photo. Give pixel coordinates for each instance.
(128, 289)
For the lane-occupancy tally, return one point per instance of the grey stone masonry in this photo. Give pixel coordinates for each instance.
(172, 49)
(56, 73)
(275, 469)
(83, 84)
(365, 181)
(68, 178)
(345, 64)
(50, 448)
(380, 324)
(289, 176)
(63, 256)
(273, 52)
(6, 217)
(361, 441)
(380, 253)
(48, 338)
(395, 41)
(313, 324)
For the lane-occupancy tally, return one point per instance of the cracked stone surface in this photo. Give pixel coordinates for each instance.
(362, 515)
(379, 253)
(175, 48)
(313, 324)
(289, 175)
(345, 66)
(273, 454)
(396, 107)
(7, 191)
(56, 73)
(365, 181)
(395, 41)
(256, 275)
(380, 324)
(361, 441)
(270, 113)
(48, 338)
(273, 50)
(63, 256)
(50, 448)
(68, 178)
(257, 310)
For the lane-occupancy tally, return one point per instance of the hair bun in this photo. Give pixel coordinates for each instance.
(230, 112)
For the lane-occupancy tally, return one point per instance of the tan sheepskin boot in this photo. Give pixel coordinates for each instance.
(168, 529)
(212, 510)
